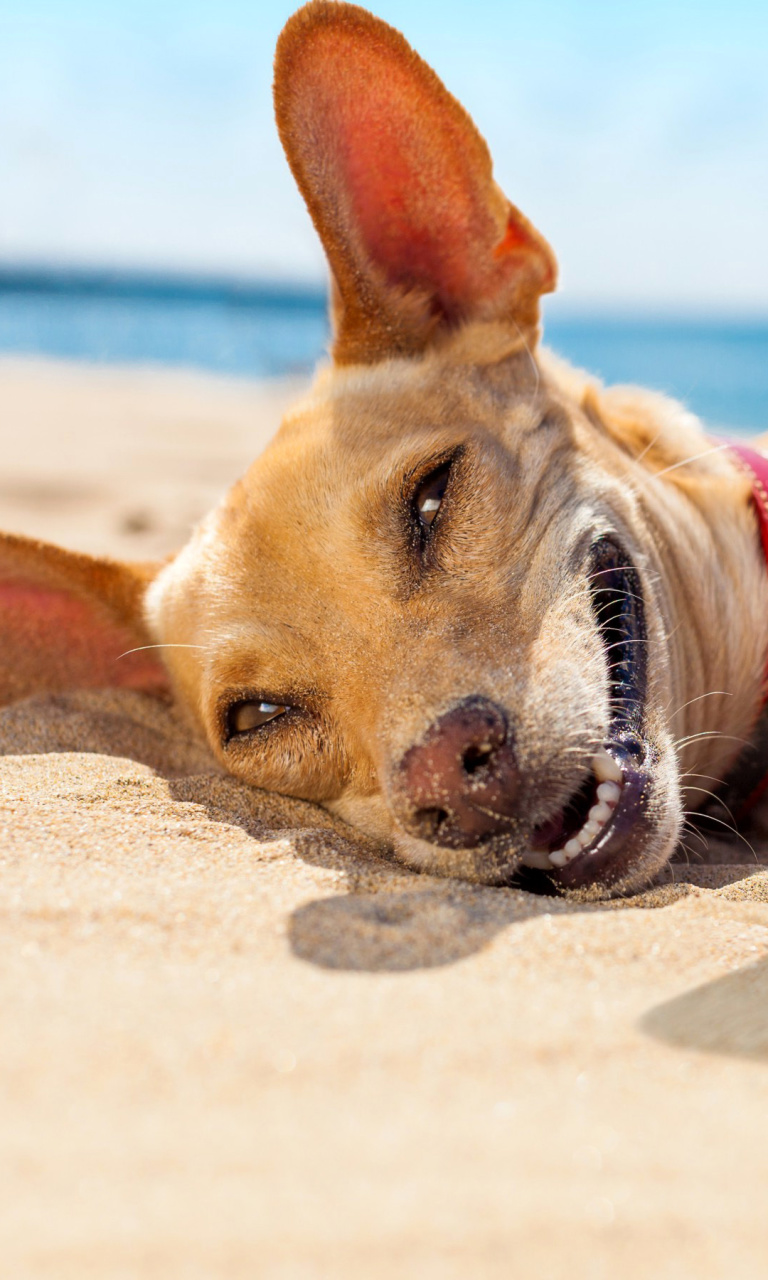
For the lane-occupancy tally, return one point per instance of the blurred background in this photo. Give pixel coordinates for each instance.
(147, 214)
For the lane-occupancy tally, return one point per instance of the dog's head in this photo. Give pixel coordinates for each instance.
(441, 602)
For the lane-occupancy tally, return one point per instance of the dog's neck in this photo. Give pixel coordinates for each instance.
(706, 553)
(747, 784)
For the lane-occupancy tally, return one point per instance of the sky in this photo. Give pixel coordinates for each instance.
(139, 133)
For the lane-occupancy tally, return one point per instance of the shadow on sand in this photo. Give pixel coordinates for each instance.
(727, 1016)
(388, 919)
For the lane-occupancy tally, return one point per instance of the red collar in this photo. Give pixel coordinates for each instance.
(750, 787)
(755, 466)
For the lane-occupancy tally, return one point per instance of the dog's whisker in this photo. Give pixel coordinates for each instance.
(695, 457)
(713, 693)
(709, 733)
(142, 647)
(696, 835)
(691, 855)
(620, 644)
(643, 452)
(733, 831)
(690, 773)
(705, 791)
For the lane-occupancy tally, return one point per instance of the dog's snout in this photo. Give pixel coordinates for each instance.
(458, 786)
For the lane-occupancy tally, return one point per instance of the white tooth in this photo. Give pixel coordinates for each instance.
(558, 858)
(609, 793)
(590, 829)
(536, 858)
(572, 848)
(600, 813)
(584, 838)
(605, 768)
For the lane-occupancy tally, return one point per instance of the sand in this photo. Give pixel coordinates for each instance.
(236, 1042)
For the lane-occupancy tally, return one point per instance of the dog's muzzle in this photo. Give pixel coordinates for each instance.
(460, 786)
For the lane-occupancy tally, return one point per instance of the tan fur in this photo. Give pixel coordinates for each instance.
(302, 588)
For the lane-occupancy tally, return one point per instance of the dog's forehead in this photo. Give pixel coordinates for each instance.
(362, 426)
(370, 408)
(360, 435)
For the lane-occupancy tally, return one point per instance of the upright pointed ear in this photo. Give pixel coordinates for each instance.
(66, 620)
(400, 187)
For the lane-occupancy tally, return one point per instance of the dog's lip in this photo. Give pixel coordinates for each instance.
(610, 855)
(625, 757)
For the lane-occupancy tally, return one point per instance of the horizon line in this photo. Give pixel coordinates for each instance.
(248, 289)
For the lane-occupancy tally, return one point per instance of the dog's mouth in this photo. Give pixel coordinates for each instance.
(589, 839)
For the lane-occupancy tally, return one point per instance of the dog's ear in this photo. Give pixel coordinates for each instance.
(400, 187)
(66, 619)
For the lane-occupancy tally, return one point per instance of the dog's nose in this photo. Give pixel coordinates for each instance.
(458, 786)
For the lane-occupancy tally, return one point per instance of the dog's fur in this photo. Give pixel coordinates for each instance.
(312, 585)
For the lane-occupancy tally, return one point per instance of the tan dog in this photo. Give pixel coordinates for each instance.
(467, 599)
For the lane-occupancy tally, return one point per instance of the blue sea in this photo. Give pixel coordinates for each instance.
(719, 368)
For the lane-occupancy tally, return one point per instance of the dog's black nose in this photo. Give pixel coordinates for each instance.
(458, 786)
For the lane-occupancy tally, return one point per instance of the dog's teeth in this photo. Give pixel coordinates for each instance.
(609, 793)
(605, 768)
(608, 796)
(536, 858)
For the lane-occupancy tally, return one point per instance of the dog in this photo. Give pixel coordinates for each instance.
(502, 619)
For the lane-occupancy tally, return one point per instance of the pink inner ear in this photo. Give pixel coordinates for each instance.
(413, 173)
(52, 641)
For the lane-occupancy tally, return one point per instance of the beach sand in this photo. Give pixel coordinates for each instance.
(237, 1042)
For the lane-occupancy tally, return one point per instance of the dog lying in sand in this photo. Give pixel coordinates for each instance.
(468, 600)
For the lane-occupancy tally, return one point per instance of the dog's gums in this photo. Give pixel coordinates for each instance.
(504, 620)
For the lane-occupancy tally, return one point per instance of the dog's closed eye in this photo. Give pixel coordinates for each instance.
(244, 716)
(430, 493)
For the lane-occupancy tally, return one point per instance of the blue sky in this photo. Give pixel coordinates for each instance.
(635, 136)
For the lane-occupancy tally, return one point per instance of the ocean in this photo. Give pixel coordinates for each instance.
(719, 368)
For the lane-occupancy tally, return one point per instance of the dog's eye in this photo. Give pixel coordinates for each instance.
(430, 494)
(244, 716)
